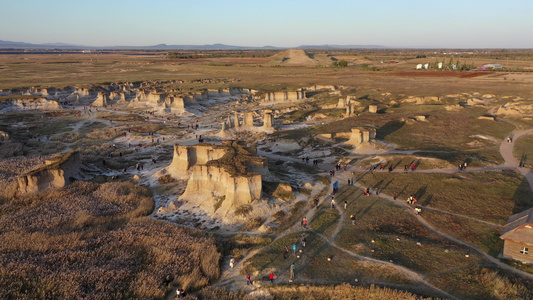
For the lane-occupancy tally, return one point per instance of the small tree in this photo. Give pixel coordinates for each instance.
(436, 64)
(341, 63)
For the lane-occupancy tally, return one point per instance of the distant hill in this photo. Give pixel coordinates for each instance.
(342, 47)
(293, 57)
(23, 45)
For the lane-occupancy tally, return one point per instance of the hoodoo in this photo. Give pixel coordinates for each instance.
(229, 172)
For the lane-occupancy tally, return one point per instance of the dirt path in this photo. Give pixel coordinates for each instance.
(409, 273)
(232, 279)
(506, 150)
(453, 239)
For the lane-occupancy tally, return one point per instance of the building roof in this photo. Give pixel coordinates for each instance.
(519, 227)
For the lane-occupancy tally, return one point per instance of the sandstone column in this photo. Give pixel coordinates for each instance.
(267, 122)
(249, 119)
(237, 125)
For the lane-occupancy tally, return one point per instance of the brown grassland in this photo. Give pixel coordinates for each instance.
(93, 241)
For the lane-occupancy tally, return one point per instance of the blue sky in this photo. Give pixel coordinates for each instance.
(400, 23)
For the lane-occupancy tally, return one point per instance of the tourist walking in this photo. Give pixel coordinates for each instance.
(293, 266)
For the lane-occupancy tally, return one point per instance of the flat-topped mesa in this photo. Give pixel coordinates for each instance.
(361, 135)
(229, 170)
(231, 155)
(284, 96)
(56, 173)
(185, 157)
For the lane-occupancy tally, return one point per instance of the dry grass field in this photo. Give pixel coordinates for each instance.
(93, 239)
(250, 71)
(487, 196)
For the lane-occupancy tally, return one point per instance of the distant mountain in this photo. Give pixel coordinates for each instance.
(341, 47)
(23, 45)
(18, 45)
(196, 47)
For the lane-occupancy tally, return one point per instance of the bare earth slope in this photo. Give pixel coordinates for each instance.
(293, 57)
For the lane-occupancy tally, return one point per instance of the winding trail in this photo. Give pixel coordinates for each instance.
(506, 150)
(233, 278)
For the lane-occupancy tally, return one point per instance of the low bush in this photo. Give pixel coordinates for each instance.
(243, 210)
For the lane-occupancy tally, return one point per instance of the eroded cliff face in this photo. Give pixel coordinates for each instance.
(186, 157)
(40, 103)
(56, 173)
(212, 183)
(221, 178)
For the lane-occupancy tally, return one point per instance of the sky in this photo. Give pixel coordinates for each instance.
(391, 23)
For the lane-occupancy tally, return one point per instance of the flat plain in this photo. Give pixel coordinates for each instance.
(99, 200)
